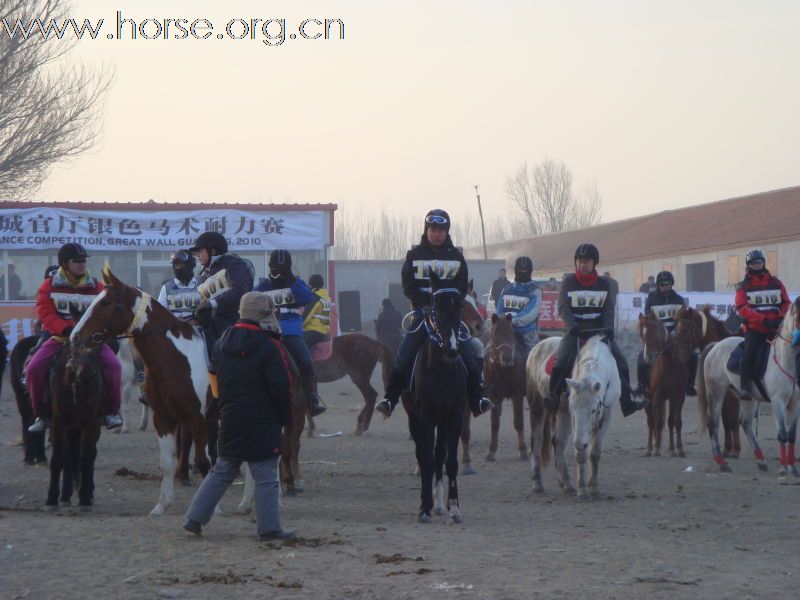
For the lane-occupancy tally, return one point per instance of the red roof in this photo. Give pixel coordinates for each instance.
(154, 206)
(748, 220)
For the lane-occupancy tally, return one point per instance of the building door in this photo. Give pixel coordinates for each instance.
(349, 311)
(700, 277)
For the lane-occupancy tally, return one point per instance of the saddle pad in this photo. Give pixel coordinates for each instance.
(551, 363)
(322, 350)
(736, 357)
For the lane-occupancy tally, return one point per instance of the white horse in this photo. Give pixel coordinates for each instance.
(131, 390)
(780, 383)
(594, 389)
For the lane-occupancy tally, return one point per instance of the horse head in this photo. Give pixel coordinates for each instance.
(83, 364)
(503, 341)
(472, 318)
(689, 327)
(445, 317)
(653, 335)
(118, 309)
(589, 390)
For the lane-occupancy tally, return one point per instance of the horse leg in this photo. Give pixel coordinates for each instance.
(790, 441)
(56, 465)
(69, 473)
(424, 440)
(747, 413)
(651, 429)
(671, 424)
(537, 418)
(560, 439)
(199, 433)
(730, 421)
(519, 425)
(452, 474)
(466, 435)
(678, 421)
(167, 446)
(440, 453)
(595, 450)
(497, 413)
(659, 408)
(370, 396)
(580, 460)
(89, 437)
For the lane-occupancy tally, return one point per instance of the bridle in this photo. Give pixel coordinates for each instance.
(495, 350)
(432, 322)
(104, 335)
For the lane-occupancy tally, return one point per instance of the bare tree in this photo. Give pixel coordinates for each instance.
(49, 109)
(544, 198)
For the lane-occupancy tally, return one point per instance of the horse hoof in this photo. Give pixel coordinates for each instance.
(52, 508)
(468, 469)
(570, 491)
(457, 519)
(538, 488)
(28, 462)
(358, 431)
(243, 509)
(65, 503)
(583, 497)
(594, 495)
(490, 457)
(762, 465)
(648, 454)
(681, 454)
(725, 468)
(310, 434)
(424, 518)
(438, 510)
(158, 510)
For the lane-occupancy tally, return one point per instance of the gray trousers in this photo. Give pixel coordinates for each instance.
(265, 474)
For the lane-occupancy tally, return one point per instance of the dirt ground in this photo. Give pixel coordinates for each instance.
(664, 528)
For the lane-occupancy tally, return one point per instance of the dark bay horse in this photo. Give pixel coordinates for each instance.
(78, 394)
(436, 408)
(32, 443)
(701, 328)
(505, 374)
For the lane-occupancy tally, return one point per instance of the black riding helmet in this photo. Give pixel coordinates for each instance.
(665, 277)
(589, 251)
(754, 255)
(71, 251)
(437, 218)
(316, 281)
(523, 267)
(280, 262)
(211, 240)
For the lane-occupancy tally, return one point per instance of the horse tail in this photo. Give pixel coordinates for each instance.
(386, 357)
(702, 393)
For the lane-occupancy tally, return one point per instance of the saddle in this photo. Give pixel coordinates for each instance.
(551, 362)
(762, 359)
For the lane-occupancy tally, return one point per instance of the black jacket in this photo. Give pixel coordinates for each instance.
(254, 393)
(671, 302)
(448, 263)
(588, 307)
(240, 278)
(498, 285)
(389, 322)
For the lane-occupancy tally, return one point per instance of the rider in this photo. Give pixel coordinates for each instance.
(224, 279)
(522, 299)
(586, 306)
(664, 302)
(179, 294)
(762, 302)
(52, 309)
(290, 294)
(317, 316)
(435, 251)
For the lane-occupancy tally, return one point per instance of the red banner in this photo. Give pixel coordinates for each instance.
(18, 321)
(548, 313)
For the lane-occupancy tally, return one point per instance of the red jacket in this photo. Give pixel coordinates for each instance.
(52, 300)
(761, 297)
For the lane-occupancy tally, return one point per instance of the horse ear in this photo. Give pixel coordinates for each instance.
(109, 278)
(435, 280)
(471, 286)
(596, 387)
(494, 317)
(574, 384)
(73, 310)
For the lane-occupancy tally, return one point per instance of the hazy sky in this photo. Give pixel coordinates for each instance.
(664, 104)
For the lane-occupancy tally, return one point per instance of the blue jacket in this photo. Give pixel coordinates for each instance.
(290, 294)
(522, 300)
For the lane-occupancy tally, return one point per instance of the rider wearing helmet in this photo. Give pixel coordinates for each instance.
(586, 305)
(52, 308)
(290, 294)
(224, 279)
(664, 302)
(522, 299)
(435, 250)
(179, 294)
(317, 316)
(762, 302)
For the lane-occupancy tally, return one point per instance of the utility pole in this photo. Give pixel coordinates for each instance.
(483, 228)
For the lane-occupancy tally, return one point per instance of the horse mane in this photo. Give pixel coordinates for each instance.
(177, 327)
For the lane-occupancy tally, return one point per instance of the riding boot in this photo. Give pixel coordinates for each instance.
(397, 381)
(642, 377)
(690, 389)
(628, 404)
(746, 382)
(553, 398)
(113, 421)
(478, 403)
(315, 404)
(38, 426)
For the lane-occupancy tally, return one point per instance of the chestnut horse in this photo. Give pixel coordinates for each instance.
(177, 386)
(654, 337)
(505, 374)
(668, 380)
(702, 328)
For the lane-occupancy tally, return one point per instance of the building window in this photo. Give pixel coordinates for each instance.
(667, 267)
(772, 261)
(700, 277)
(734, 275)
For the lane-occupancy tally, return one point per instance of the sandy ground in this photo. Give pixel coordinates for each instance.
(664, 528)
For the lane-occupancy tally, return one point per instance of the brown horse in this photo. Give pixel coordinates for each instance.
(654, 337)
(668, 380)
(505, 374)
(177, 382)
(701, 328)
(355, 355)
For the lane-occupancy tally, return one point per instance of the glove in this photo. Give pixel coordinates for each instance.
(203, 313)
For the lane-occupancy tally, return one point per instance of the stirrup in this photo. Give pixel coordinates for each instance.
(484, 406)
(38, 426)
(315, 405)
(113, 421)
(385, 408)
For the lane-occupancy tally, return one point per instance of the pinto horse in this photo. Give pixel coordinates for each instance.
(594, 389)
(779, 384)
(699, 328)
(505, 374)
(436, 407)
(78, 394)
(32, 443)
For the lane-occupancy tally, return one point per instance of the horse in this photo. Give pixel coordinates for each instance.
(177, 385)
(131, 389)
(355, 355)
(32, 443)
(668, 381)
(78, 394)
(654, 338)
(436, 407)
(594, 389)
(779, 385)
(702, 328)
(505, 374)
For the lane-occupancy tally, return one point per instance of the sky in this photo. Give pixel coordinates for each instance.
(662, 104)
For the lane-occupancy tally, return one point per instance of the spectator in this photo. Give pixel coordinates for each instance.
(551, 285)
(648, 286)
(498, 286)
(613, 285)
(389, 325)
